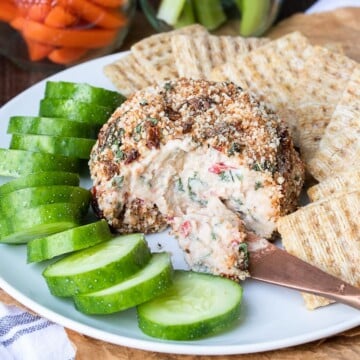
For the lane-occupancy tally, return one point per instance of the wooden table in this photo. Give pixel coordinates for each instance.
(343, 346)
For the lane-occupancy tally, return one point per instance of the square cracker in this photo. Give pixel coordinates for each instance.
(155, 55)
(343, 182)
(271, 72)
(127, 75)
(339, 148)
(326, 235)
(196, 56)
(320, 86)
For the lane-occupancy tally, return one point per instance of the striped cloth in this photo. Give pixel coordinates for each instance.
(24, 336)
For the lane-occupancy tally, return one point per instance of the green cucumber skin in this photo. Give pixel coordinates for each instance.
(40, 179)
(75, 110)
(97, 279)
(95, 303)
(41, 195)
(78, 238)
(51, 126)
(84, 93)
(43, 220)
(187, 331)
(16, 163)
(65, 146)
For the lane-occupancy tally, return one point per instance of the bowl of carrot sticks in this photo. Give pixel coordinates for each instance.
(53, 33)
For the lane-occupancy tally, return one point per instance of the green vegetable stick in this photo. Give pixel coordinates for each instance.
(187, 16)
(253, 16)
(170, 10)
(209, 13)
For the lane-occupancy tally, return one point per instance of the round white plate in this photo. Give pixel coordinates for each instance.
(272, 317)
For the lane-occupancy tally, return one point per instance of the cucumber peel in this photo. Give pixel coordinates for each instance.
(43, 220)
(194, 306)
(84, 93)
(58, 145)
(77, 238)
(151, 281)
(98, 267)
(40, 179)
(51, 126)
(16, 163)
(40, 195)
(75, 110)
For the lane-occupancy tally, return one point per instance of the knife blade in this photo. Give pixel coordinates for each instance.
(269, 263)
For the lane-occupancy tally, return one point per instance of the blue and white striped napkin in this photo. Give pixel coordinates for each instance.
(24, 336)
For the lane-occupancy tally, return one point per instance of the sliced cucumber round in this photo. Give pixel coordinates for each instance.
(65, 146)
(43, 220)
(149, 282)
(84, 93)
(98, 267)
(68, 241)
(41, 195)
(194, 306)
(51, 126)
(39, 179)
(75, 110)
(20, 162)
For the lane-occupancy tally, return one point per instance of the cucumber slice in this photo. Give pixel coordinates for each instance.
(149, 282)
(65, 146)
(41, 195)
(170, 10)
(210, 13)
(99, 267)
(195, 305)
(43, 220)
(83, 93)
(75, 110)
(19, 162)
(51, 126)
(40, 179)
(67, 241)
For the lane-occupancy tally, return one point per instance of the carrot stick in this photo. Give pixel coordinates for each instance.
(95, 14)
(89, 38)
(7, 11)
(60, 17)
(18, 23)
(38, 12)
(66, 55)
(37, 51)
(110, 3)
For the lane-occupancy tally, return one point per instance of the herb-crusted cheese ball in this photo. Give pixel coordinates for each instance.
(205, 158)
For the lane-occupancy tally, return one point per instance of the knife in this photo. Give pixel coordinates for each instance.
(269, 263)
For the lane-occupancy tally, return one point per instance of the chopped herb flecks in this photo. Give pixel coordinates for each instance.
(258, 185)
(118, 181)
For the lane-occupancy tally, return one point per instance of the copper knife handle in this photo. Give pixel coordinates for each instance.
(276, 266)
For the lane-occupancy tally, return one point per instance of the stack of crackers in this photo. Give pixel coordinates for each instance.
(315, 89)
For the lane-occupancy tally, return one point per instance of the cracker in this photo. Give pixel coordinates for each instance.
(155, 55)
(344, 182)
(196, 56)
(339, 148)
(320, 86)
(127, 75)
(326, 235)
(271, 72)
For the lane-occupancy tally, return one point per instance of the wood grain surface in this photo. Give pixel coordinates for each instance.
(343, 346)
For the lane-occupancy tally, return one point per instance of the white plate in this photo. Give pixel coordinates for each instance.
(272, 317)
